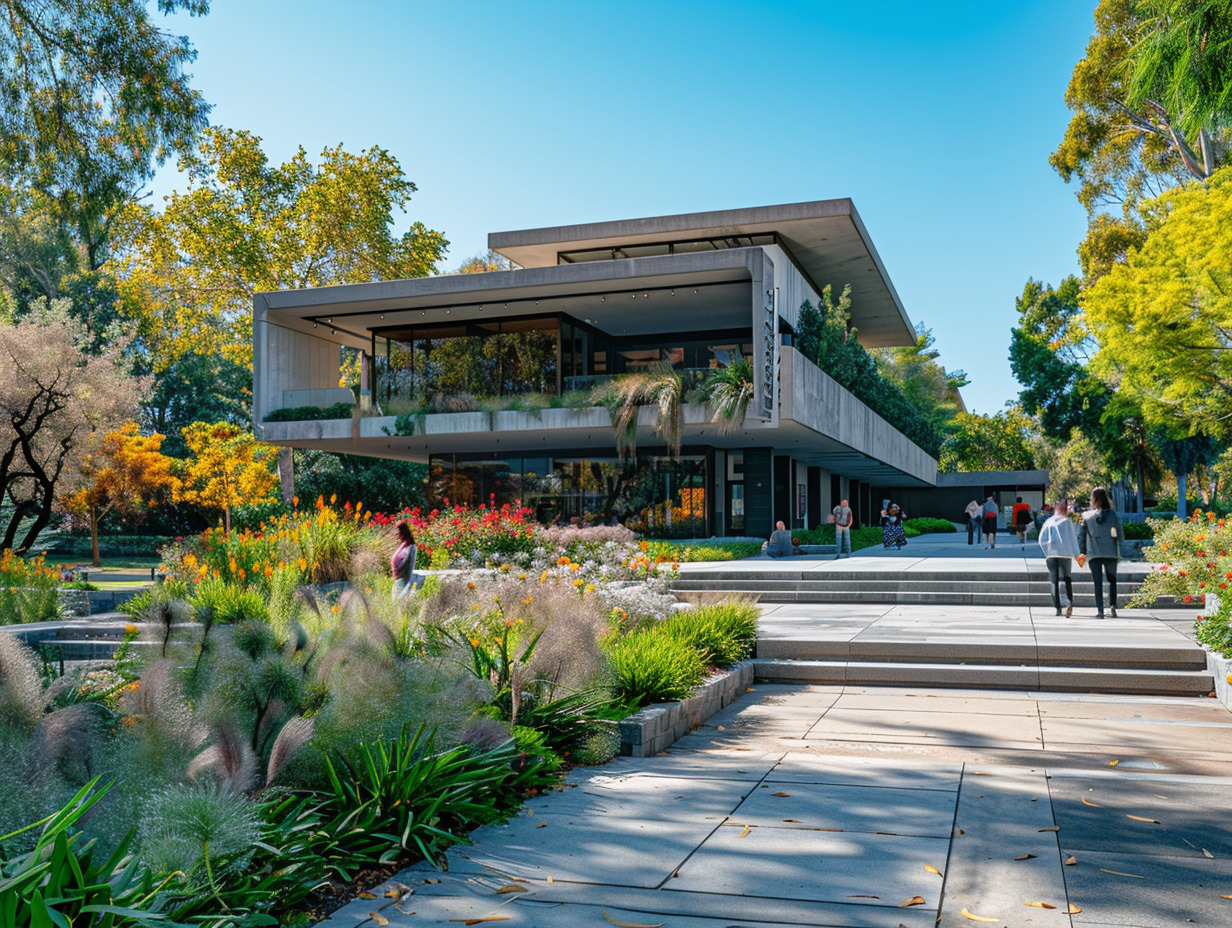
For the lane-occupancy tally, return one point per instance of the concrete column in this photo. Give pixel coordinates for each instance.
(758, 492)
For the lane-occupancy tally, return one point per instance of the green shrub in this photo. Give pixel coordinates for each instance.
(928, 526)
(72, 546)
(723, 632)
(390, 798)
(311, 413)
(63, 881)
(28, 590)
(216, 600)
(1138, 531)
(652, 666)
(710, 551)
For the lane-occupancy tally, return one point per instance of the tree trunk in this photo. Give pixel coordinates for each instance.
(1141, 485)
(286, 474)
(94, 536)
(1181, 502)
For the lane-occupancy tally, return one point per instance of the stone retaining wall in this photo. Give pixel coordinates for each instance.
(657, 727)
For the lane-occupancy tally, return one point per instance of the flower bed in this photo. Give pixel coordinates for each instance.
(28, 590)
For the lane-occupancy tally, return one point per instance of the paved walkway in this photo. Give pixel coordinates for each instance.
(840, 806)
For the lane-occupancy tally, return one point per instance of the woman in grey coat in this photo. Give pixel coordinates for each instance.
(1099, 540)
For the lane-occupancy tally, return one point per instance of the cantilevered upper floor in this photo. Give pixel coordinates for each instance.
(519, 351)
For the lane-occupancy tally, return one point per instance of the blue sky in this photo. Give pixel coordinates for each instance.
(937, 119)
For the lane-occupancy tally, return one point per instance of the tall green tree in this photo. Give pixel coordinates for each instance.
(95, 95)
(1126, 145)
(1184, 63)
(925, 383)
(1049, 351)
(1163, 320)
(244, 225)
(998, 442)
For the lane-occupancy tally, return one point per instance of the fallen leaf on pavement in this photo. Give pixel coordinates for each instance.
(367, 895)
(1225, 897)
(744, 833)
(914, 900)
(1113, 763)
(1074, 909)
(1119, 873)
(780, 795)
(1071, 860)
(513, 888)
(1139, 818)
(931, 869)
(542, 825)
(1051, 828)
(393, 893)
(1088, 802)
(794, 821)
(378, 918)
(609, 919)
(1025, 857)
(862, 896)
(959, 831)
(1040, 905)
(1207, 854)
(978, 918)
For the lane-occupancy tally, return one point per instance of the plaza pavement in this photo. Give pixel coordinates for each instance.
(863, 807)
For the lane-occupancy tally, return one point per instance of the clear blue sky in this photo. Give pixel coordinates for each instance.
(937, 119)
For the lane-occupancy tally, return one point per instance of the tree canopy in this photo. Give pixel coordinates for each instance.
(95, 95)
(1164, 319)
(229, 468)
(244, 225)
(1127, 144)
(997, 442)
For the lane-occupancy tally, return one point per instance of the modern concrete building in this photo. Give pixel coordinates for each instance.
(488, 377)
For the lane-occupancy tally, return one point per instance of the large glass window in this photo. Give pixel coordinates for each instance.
(657, 496)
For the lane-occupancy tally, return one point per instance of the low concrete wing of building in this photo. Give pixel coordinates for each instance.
(505, 382)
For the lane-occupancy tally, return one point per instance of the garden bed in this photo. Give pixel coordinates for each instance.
(657, 727)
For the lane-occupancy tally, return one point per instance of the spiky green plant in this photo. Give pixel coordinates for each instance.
(659, 386)
(728, 392)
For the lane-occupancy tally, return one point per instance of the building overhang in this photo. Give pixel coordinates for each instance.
(639, 296)
(826, 239)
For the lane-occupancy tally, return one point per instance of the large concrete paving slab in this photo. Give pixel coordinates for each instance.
(829, 807)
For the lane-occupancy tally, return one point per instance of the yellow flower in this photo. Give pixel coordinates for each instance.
(470, 586)
(590, 588)
(578, 581)
(334, 609)
(131, 629)
(522, 576)
(527, 601)
(474, 642)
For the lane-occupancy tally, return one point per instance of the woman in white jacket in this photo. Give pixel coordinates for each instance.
(1059, 540)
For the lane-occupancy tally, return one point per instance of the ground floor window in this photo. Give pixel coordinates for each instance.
(655, 495)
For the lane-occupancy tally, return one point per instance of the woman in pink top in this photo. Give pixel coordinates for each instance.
(403, 562)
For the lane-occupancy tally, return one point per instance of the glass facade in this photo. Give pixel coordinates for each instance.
(655, 495)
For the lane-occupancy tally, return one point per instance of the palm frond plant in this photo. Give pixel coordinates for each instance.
(728, 392)
(659, 386)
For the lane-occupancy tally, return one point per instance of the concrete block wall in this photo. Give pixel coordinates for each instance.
(284, 359)
(657, 727)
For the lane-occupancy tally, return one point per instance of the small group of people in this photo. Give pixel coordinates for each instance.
(982, 521)
(1095, 543)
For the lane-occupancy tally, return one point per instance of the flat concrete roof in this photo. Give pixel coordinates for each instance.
(826, 238)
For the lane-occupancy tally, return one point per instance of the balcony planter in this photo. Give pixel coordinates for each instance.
(657, 727)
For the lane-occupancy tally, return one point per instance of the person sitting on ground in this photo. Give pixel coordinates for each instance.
(1059, 541)
(779, 544)
(1020, 517)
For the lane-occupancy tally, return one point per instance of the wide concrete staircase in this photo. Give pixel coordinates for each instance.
(1164, 667)
(73, 642)
(890, 584)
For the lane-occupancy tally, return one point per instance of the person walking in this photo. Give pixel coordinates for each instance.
(974, 517)
(892, 534)
(989, 511)
(1099, 543)
(1020, 518)
(842, 519)
(403, 562)
(1059, 541)
(779, 544)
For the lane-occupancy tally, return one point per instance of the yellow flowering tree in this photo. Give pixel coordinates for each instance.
(127, 471)
(228, 468)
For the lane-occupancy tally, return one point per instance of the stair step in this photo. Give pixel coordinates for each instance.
(1180, 657)
(1082, 599)
(989, 676)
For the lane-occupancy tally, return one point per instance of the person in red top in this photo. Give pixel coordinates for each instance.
(1021, 516)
